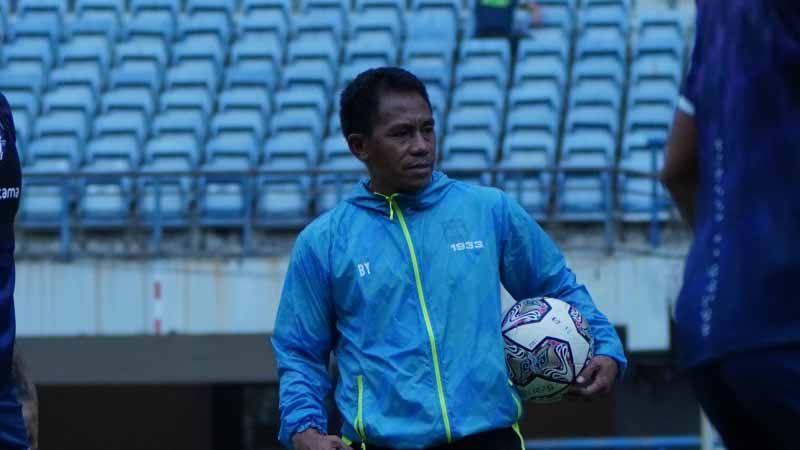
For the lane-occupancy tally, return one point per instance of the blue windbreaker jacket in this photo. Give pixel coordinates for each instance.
(406, 291)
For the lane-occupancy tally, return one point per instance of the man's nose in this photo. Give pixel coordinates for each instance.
(422, 143)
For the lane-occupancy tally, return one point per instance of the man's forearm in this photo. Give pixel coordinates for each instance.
(683, 193)
(680, 174)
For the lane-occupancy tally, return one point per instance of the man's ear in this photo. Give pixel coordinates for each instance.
(357, 143)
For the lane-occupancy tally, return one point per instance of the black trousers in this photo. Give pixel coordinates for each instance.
(753, 398)
(501, 439)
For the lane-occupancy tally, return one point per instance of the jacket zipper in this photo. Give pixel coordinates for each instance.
(358, 424)
(394, 207)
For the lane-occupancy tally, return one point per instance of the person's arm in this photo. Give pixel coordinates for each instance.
(680, 175)
(532, 266)
(302, 340)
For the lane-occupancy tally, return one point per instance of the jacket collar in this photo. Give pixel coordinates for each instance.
(362, 197)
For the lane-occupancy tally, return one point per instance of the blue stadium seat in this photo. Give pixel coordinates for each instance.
(142, 50)
(283, 201)
(187, 99)
(88, 76)
(303, 98)
(224, 201)
(217, 26)
(398, 6)
(91, 49)
(340, 7)
(528, 149)
(221, 8)
(452, 7)
(348, 72)
(595, 94)
(45, 205)
(60, 124)
(172, 152)
(164, 201)
(530, 190)
(253, 74)
(53, 153)
(41, 8)
(474, 119)
(654, 68)
(582, 197)
(70, 99)
(309, 73)
(467, 153)
(241, 122)
(291, 150)
(431, 73)
(533, 118)
(246, 99)
(267, 23)
(491, 50)
(231, 151)
(658, 23)
(129, 99)
(544, 94)
(438, 102)
(589, 149)
(543, 48)
(193, 75)
(653, 93)
(334, 125)
(319, 23)
(600, 19)
(428, 51)
(155, 8)
(263, 8)
(22, 125)
(29, 55)
(96, 24)
(47, 29)
(113, 152)
(639, 150)
(336, 154)
(155, 26)
(333, 188)
(91, 8)
(601, 118)
(12, 80)
(376, 22)
(472, 70)
(311, 49)
(636, 191)
(536, 72)
(200, 49)
(480, 95)
(598, 69)
(610, 46)
(373, 50)
(654, 120)
(258, 49)
(615, 6)
(297, 121)
(104, 202)
(181, 123)
(122, 123)
(659, 45)
(137, 76)
(433, 25)
(557, 22)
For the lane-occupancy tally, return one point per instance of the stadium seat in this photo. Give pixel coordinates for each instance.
(654, 120)
(155, 8)
(52, 153)
(60, 124)
(71, 98)
(172, 152)
(582, 197)
(452, 7)
(87, 76)
(333, 188)
(528, 149)
(595, 94)
(434, 25)
(641, 151)
(182, 123)
(319, 23)
(96, 24)
(334, 125)
(398, 6)
(543, 48)
(480, 95)
(142, 50)
(309, 73)
(193, 75)
(376, 22)
(92, 8)
(530, 190)
(472, 70)
(428, 51)
(283, 201)
(474, 119)
(264, 48)
(431, 73)
(113, 152)
(601, 118)
(598, 70)
(187, 99)
(532, 71)
(657, 23)
(206, 48)
(371, 50)
(467, 154)
(587, 149)
(264, 8)
(336, 154)
(491, 50)
(557, 22)
(659, 45)
(224, 200)
(438, 103)
(122, 123)
(22, 125)
(151, 26)
(30, 55)
(314, 49)
(533, 118)
(610, 46)
(104, 202)
(46, 29)
(42, 8)
(252, 74)
(544, 94)
(271, 22)
(655, 68)
(607, 20)
(45, 205)
(614, 6)
(340, 7)
(653, 93)
(231, 151)
(348, 72)
(246, 99)
(247, 122)
(303, 98)
(210, 8)
(291, 150)
(297, 121)
(216, 26)
(129, 99)
(137, 76)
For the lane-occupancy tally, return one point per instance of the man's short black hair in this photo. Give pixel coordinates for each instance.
(359, 100)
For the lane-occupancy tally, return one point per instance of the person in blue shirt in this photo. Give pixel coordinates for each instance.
(402, 280)
(732, 168)
(12, 425)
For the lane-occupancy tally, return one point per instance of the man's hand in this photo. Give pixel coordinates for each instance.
(312, 439)
(596, 378)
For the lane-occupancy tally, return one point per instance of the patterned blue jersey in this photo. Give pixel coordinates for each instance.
(743, 89)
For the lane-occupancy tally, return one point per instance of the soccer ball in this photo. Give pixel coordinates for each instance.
(547, 343)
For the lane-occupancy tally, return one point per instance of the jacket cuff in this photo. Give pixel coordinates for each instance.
(288, 431)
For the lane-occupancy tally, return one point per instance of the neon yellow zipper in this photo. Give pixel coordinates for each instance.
(516, 400)
(394, 207)
(359, 422)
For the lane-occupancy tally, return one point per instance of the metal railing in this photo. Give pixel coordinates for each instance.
(617, 443)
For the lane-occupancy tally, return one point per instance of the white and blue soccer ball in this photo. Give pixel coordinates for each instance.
(547, 344)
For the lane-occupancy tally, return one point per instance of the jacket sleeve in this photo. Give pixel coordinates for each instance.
(532, 266)
(302, 340)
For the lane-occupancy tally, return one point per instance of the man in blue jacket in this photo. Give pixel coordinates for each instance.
(12, 425)
(402, 281)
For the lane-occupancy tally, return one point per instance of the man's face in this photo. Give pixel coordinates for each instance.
(401, 151)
